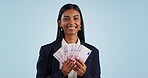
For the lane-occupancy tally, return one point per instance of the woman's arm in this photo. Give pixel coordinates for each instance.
(42, 67)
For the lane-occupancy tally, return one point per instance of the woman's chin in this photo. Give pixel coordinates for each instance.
(72, 33)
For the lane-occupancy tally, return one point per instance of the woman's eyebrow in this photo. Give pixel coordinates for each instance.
(75, 15)
(66, 16)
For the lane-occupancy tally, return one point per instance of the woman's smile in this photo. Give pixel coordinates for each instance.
(71, 27)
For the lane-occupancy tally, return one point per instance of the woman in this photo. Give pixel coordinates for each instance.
(70, 30)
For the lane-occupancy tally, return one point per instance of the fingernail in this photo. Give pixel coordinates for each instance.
(72, 59)
(75, 66)
(74, 62)
(77, 58)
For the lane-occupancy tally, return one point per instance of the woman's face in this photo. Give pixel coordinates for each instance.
(70, 22)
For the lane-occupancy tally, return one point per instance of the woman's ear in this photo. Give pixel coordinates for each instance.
(59, 23)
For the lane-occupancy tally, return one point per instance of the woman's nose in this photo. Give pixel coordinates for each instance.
(71, 21)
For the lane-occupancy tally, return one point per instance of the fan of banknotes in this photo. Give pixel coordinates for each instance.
(72, 51)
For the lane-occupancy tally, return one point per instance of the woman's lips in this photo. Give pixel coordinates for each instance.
(71, 27)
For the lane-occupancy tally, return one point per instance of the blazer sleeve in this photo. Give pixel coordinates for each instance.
(95, 68)
(42, 66)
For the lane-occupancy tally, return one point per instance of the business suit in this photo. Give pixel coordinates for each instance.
(48, 66)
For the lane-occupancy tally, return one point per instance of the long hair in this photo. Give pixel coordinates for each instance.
(60, 34)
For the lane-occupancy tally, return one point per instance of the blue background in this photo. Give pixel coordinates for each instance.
(118, 28)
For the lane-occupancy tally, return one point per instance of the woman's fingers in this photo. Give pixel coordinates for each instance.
(68, 66)
(67, 62)
(81, 63)
(71, 65)
(76, 65)
(80, 67)
(78, 70)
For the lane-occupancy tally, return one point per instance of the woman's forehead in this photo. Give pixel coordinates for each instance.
(71, 12)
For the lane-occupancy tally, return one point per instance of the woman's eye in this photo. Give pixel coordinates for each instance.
(76, 18)
(66, 18)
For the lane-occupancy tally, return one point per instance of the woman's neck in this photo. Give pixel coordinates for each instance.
(71, 39)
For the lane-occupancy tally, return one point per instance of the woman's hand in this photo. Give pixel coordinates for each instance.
(68, 66)
(80, 67)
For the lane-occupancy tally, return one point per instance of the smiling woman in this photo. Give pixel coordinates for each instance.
(60, 34)
(70, 31)
(70, 23)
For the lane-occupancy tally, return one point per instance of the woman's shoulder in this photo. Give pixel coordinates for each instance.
(50, 45)
(90, 46)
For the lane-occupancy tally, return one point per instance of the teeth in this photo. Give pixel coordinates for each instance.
(71, 27)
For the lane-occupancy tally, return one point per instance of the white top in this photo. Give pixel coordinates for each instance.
(72, 74)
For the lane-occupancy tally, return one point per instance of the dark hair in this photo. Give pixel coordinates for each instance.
(60, 34)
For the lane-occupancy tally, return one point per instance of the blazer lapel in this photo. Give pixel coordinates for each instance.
(55, 62)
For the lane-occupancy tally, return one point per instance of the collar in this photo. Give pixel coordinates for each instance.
(65, 43)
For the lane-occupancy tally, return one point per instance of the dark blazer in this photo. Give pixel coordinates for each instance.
(48, 66)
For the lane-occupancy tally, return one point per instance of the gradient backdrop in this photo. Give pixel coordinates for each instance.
(118, 28)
